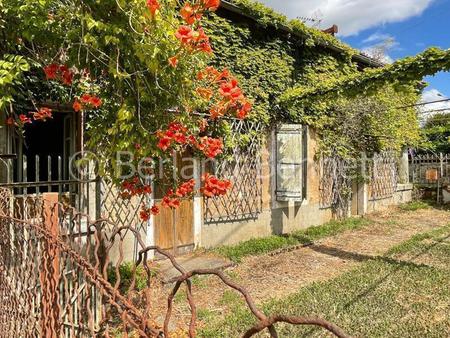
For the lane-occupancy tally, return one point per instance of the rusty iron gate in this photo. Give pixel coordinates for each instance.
(57, 268)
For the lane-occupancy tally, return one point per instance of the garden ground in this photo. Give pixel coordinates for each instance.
(385, 275)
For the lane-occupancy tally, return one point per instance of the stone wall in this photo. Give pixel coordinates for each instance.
(403, 194)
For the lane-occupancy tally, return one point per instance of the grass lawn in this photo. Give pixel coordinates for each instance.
(261, 246)
(405, 293)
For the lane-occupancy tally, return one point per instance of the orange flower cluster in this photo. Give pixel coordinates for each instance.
(229, 98)
(175, 133)
(170, 200)
(24, 119)
(211, 147)
(185, 189)
(86, 100)
(59, 72)
(43, 114)
(194, 40)
(212, 186)
(191, 13)
(134, 187)
(146, 212)
(153, 6)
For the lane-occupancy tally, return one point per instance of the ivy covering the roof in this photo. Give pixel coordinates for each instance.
(406, 70)
(268, 17)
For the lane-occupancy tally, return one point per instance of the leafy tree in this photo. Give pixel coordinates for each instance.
(437, 133)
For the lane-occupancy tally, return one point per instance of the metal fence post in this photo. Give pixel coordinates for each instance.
(50, 272)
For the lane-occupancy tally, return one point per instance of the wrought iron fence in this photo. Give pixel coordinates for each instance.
(76, 184)
(57, 283)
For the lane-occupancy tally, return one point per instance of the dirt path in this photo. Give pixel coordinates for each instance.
(277, 276)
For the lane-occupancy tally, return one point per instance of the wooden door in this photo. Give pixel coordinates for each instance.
(174, 228)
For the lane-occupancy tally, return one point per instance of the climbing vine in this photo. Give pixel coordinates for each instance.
(270, 63)
(138, 71)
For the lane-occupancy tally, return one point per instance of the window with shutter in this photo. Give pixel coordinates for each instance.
(289, 161)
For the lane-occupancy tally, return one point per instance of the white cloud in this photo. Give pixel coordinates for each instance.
(377, 37)
(432, 95)
(352, 16)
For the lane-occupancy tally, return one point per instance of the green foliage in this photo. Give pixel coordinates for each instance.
(267, 17)
(126, 52)
(414, 206)
(127, 272)
(12, 68)
(261, 246)
(437, 133)
(282, 65)
(405, 71)
(269, 64)
(264, 65)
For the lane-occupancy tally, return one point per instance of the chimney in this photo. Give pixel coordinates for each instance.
(333, 30)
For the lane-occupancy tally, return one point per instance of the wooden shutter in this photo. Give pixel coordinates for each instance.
(289, 152)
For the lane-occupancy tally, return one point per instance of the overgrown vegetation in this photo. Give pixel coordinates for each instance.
(384, 297)
(261, 246)
(269, 65)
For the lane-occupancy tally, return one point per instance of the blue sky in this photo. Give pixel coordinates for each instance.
(413, 35)
(411, 26)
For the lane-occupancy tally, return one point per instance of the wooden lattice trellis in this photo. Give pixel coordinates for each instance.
(243, 168)
(326, 169)
(383, 175)
(335, 183)
(125, 211)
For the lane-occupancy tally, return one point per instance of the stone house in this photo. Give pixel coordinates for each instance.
(279, 184)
